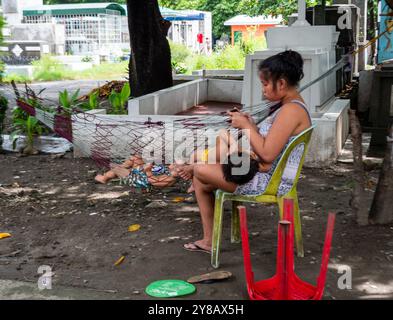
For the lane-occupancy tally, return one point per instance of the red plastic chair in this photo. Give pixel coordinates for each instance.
(285, 284)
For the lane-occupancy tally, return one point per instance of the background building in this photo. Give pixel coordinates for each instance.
(95, 28)
(190, 27)
(89, 27)
(243, 26)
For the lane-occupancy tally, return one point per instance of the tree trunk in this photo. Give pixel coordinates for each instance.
(150, 67)
(382, 207)
(358, 203)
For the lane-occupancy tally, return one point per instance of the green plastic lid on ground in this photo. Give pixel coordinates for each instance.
(169, 288)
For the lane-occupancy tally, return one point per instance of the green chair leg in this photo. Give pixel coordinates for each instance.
(235, 225)
(296, 221)
(217, 229)
(280, 203)
(298, 228)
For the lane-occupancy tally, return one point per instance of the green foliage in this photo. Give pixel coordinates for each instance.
(24, 124)
(229, 57)
(104, 70)
(119, 100)
(49, 69)
(179, 52)
(180, 4)
(179, 55)
(18, 78)
(68, 101)
(92, 103)
(179, 68)
(272, 7)
(223, 10)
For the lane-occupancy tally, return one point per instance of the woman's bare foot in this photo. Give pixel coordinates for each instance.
(184, 171)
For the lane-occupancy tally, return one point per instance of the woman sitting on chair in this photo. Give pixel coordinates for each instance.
(280, 76)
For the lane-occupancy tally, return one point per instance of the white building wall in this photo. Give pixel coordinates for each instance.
(186, 32)
(13, 9)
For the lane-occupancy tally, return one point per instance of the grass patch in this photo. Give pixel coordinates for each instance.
(17, 78)
(105, 70)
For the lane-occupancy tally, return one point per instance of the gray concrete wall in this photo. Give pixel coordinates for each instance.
(330, 134)
(186, 95)
(49, 32)
(224, 90)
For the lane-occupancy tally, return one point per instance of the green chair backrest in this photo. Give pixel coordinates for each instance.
(303, 137)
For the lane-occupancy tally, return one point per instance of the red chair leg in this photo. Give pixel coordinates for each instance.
(325, 256)
(246, 250)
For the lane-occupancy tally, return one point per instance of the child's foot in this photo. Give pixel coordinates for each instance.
(100, 179)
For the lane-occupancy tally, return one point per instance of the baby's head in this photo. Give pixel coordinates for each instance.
(243, 170)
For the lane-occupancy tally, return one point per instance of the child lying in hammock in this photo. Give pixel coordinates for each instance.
(139, 174)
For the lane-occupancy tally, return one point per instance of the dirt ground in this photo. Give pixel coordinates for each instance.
(59, 217)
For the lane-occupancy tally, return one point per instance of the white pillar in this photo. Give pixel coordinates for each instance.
(301, 19)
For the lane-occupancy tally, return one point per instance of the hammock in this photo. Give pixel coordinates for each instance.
(163, 139)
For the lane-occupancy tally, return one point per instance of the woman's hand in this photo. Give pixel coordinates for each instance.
(241, 120)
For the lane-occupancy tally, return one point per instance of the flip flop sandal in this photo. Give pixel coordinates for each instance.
(210, 277)
(197, 248)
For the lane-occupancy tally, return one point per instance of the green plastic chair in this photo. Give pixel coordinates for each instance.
(269, 196)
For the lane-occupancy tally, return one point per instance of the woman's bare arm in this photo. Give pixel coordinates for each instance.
(269, 147)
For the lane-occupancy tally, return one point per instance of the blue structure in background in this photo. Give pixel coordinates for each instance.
(385, 43)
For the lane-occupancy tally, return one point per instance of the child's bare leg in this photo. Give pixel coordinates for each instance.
(106, 177)
(113, 173)
(123, 170)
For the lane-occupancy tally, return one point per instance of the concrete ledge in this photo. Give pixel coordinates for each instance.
(25, 71)
(186, 95)
(330, 134)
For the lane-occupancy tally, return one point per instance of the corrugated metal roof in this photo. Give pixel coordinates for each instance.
(79, 8)
(247, 20)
